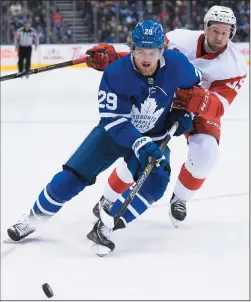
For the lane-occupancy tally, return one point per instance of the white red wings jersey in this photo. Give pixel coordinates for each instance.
(223, 72)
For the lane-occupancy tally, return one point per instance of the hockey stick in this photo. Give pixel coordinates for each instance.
(111, 221)
(42, 69)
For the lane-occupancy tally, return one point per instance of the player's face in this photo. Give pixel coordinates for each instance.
(218, 36)
(146, 60)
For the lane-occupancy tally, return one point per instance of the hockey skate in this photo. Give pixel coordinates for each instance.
(106, 205)
(24, 227)
(99, 235)
(177, 211)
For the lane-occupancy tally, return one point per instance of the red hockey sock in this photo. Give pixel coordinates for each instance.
(187, 179)
(116, 184)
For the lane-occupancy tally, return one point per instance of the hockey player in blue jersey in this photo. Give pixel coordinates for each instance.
(135, 97)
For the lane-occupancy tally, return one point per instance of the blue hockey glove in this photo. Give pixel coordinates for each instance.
(184, 119)
(145, 150)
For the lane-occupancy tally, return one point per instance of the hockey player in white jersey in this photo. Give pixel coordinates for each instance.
(224, 70)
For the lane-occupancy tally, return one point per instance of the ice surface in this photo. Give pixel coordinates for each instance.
(44, 119)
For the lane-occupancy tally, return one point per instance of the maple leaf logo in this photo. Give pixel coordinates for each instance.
(145, 118)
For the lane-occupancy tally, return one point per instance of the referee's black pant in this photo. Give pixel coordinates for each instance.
(24, 52)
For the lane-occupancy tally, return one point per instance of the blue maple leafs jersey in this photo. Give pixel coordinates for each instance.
(132, 105)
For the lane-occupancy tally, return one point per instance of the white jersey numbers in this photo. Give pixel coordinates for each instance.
(110, 98)
(236, 85)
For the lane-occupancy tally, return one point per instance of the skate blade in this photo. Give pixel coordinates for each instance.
(175, 222)
(100, 250)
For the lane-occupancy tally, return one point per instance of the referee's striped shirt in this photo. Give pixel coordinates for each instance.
(26, 38)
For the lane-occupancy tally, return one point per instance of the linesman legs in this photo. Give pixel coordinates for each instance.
(24, 53)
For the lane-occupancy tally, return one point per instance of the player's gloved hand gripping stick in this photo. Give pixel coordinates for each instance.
(111, 221)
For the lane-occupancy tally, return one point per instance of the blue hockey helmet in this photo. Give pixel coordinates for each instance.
(148, 34)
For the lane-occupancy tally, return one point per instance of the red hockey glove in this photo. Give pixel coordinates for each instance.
(199, 101)
(196, 100)
(101, 56)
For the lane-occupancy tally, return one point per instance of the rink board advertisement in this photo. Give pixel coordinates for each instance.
(47, 54)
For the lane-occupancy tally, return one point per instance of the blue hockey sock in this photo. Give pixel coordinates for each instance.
(137, 207)
(63, 187)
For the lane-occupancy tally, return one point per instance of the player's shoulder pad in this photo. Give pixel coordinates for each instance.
(237, 57)
(121, 77)
(180, 34)
(179, 64)
(174, 57)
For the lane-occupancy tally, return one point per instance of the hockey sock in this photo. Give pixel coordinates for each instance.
(137, 207)
(117, 184)
(63, 187)
(187, 185)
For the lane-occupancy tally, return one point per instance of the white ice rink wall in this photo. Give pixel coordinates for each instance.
(57, 53)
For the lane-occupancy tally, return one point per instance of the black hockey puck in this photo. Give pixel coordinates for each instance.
(47, 290)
